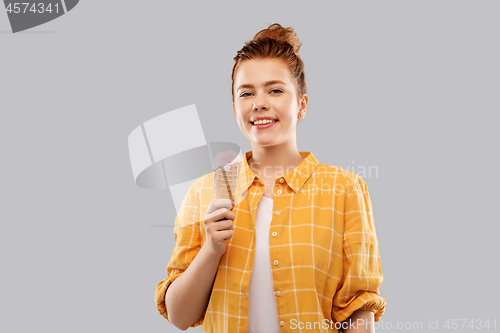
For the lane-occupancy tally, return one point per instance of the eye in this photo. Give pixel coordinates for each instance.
(245, 94)
(276, 91)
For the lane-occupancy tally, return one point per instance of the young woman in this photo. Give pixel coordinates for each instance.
(298, 251)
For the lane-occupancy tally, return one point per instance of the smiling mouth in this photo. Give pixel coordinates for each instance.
(264, 125)
(260, 122)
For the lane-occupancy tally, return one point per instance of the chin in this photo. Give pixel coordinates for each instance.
(265, 143)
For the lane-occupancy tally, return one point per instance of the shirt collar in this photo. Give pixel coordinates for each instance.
(295, 178)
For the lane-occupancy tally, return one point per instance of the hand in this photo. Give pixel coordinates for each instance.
(219, 225)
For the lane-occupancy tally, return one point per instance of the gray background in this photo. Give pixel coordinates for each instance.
(409, 87)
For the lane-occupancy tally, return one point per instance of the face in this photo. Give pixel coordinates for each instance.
(264, 88)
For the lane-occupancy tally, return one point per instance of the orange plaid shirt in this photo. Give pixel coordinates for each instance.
(323, 247)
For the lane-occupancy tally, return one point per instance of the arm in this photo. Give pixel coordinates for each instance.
(187, 297)
(361, 321)
(362, 268)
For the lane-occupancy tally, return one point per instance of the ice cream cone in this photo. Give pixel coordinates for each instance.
(225, 180)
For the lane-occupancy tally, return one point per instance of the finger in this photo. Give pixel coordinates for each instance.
(219, 214)
(224, 213)
(217, 204)
(222, 225)
(226, 234)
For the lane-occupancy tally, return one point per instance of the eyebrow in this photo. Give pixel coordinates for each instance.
(267, 83)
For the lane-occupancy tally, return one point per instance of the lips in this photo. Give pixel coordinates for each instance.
(261, 118)
(253, 123)
(264, 125)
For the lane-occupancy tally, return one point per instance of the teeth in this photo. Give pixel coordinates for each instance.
(264, 121)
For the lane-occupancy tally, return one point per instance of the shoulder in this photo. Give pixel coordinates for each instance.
(202, 183)
(328, 171)
(342, 180)
(200, 186)
(200, 192)
(197, 196)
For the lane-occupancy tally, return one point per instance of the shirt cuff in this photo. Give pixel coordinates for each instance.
(366, 301)
(160, 293)
(161, 289)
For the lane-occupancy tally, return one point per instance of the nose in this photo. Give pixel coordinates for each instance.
(260, 103)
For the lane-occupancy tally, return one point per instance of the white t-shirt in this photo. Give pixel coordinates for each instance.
(263, 317)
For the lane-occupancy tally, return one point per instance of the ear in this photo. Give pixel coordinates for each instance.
(304, 102)
(234, 110)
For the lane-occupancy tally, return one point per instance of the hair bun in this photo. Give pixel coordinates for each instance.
(279, 33)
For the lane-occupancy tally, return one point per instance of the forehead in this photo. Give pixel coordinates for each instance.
(256, 71)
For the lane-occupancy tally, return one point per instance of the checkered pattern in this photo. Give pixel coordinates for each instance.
(323, 247)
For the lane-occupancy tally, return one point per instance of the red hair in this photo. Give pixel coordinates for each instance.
(279, 43)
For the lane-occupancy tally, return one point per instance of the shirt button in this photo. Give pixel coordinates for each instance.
(278, 293)
(282, 323)
(275, 234)
(281, 180)
(276, 263)
(278, 213)
(279, 192)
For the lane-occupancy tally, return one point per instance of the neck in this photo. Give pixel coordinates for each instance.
(275, 161)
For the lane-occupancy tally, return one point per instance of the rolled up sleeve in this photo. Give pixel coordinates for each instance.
(362, 268)
(187, 245)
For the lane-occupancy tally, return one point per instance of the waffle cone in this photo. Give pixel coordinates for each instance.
(224, 180)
